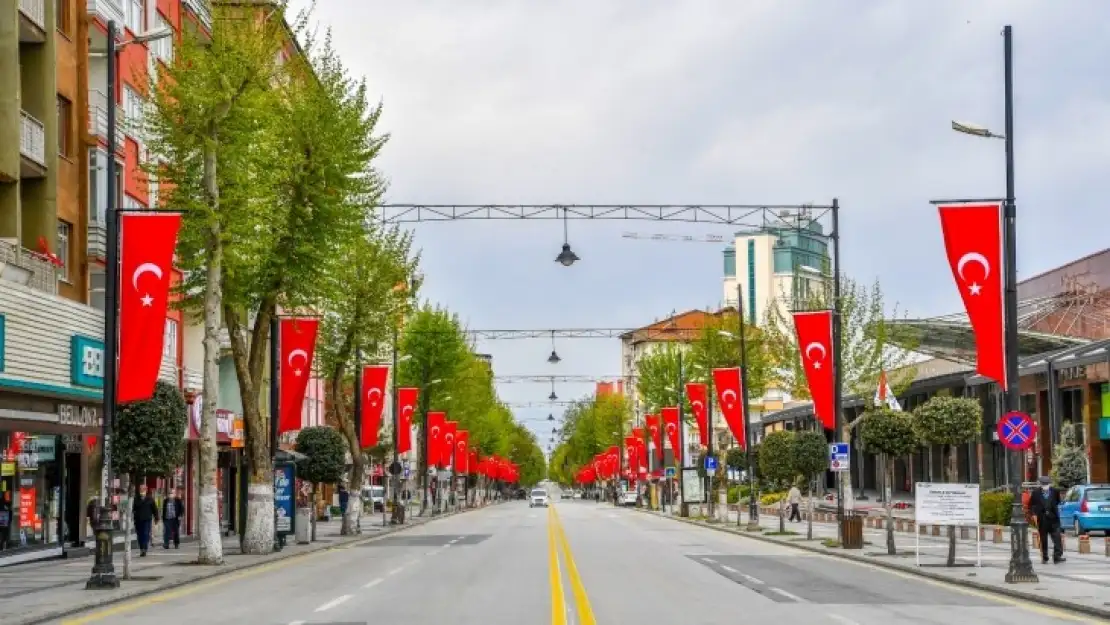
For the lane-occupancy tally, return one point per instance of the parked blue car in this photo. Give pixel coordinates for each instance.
(1086, 508)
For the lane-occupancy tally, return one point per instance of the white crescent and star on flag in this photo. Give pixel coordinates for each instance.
(728, 397)
(372, 396)
(141, 270)
(816, 347)
(973, 258)
(297, 370)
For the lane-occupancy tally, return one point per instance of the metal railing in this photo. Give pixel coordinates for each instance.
(98, 117)
(35, 10)
(42, 275)
(107, 10)
(32, 138)
(202, 11)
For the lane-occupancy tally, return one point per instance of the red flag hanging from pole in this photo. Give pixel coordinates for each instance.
(973, 243)
(447, 451)
(406, 405)
(374, 378)
(462, 438)
(641, 446)
(147, 243)
(698, 395)
(436, 423)
(298, 344)
(654, 427)
(730, 397)
(674, 432)
(814, 330)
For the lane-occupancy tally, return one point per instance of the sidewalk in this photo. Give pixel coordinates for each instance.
(1081, 584)
(44, 591)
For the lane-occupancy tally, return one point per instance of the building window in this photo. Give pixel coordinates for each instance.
(134, 17)
(751, 281)
(169, 341)
(65, 230)
(65, 126)
(133, 113)
(61, 16)
(96, 287)
(162, 49)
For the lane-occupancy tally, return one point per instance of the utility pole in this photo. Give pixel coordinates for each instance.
(753, 494)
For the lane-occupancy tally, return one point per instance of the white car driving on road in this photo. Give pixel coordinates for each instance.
(538, 497)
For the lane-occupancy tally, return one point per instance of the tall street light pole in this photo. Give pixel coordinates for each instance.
(753, 494)
(1021, 566)
(838, 369)
(103, 572)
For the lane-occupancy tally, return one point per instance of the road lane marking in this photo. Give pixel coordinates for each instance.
(297, 623)
(373, 582)
(558, 600)
(710, 560)
(334, 602)
(788, 595)
(842, 619)
(433, 552)
(751, 579)
(729, 569)
(397, 570)
(581, 599)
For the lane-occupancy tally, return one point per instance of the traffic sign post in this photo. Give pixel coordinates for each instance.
(1017, 431)
(710, 464)
(840, 458)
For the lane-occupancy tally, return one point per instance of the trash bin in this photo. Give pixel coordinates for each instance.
(303, 527)
(851, 531)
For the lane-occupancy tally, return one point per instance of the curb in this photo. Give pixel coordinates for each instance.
(1014, 594)
(221, 570)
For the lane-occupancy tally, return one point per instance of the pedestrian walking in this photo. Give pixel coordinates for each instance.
(145, 513)
(794, 497)
(173, 510)
(1044, 503)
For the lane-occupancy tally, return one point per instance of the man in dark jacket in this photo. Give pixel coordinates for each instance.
(1044, 503)
(145, 513)
(173, 510)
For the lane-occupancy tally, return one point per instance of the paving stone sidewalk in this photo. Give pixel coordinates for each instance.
(1082, 583)
(44, 591)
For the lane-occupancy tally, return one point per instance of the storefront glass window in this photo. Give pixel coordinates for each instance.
(30, 490)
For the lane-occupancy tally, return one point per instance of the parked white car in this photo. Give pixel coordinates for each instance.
(538, 497)
(629, 497)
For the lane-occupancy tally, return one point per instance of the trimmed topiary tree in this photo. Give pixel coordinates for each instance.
(326, 462)
(811, 457)
(776, 464)
(949, 422)
(889, 433)
(1069, 459)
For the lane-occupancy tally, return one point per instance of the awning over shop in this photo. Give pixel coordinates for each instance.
(953, 339)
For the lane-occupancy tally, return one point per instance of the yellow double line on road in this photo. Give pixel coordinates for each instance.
(556, 543)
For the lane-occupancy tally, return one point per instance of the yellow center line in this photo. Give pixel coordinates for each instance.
(558, 602)
(581, 599)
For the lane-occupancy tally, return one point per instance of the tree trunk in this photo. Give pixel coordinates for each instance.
(888, 479)
(952, 472)
(315, 515)
(350, 524)
(210, 548)
(848, 497)
(125, 518)
(809, 507)
(782, 516)
(249, 358)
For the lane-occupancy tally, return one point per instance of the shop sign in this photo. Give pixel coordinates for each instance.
(86, 361)
(285, 478)
(72, 443)
(79, 416)
(36, 449)
(1073, 373)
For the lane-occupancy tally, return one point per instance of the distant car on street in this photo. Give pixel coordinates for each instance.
(1086, 508)
(538, 497)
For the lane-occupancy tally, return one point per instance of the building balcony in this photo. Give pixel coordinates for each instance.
(201, 10)
(25, 267)
(98, 240)
(106, 11)
(32, 21)
(32, 145)
(98, 118)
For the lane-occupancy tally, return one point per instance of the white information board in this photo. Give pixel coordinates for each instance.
(946, 504)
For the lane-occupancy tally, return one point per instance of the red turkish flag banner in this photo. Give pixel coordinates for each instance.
(641, 446)
(447, 449)
(814, 331)
(698, 395)
(655, 429)
(462, 438)
(632, 449)
(298, 344)
(147, 243)
(674, 432)
(472, 464)
(730, 397)
(406, 405)
(437, 422)
(374, 378)
(973, 243)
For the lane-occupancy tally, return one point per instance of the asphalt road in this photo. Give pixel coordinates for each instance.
(509, 565)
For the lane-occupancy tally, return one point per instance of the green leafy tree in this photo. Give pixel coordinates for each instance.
(811, 457)
(325, 463)
(1069, 459)
(362, 308)
(657, 377)
(891, 435)
(777, 464)
(949, 422)
(214, 128)
(718, 346)
(590, 426)
(870, 343)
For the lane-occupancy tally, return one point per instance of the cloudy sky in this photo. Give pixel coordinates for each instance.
(705, 101)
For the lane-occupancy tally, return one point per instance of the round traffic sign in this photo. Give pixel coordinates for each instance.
(1017, 431)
